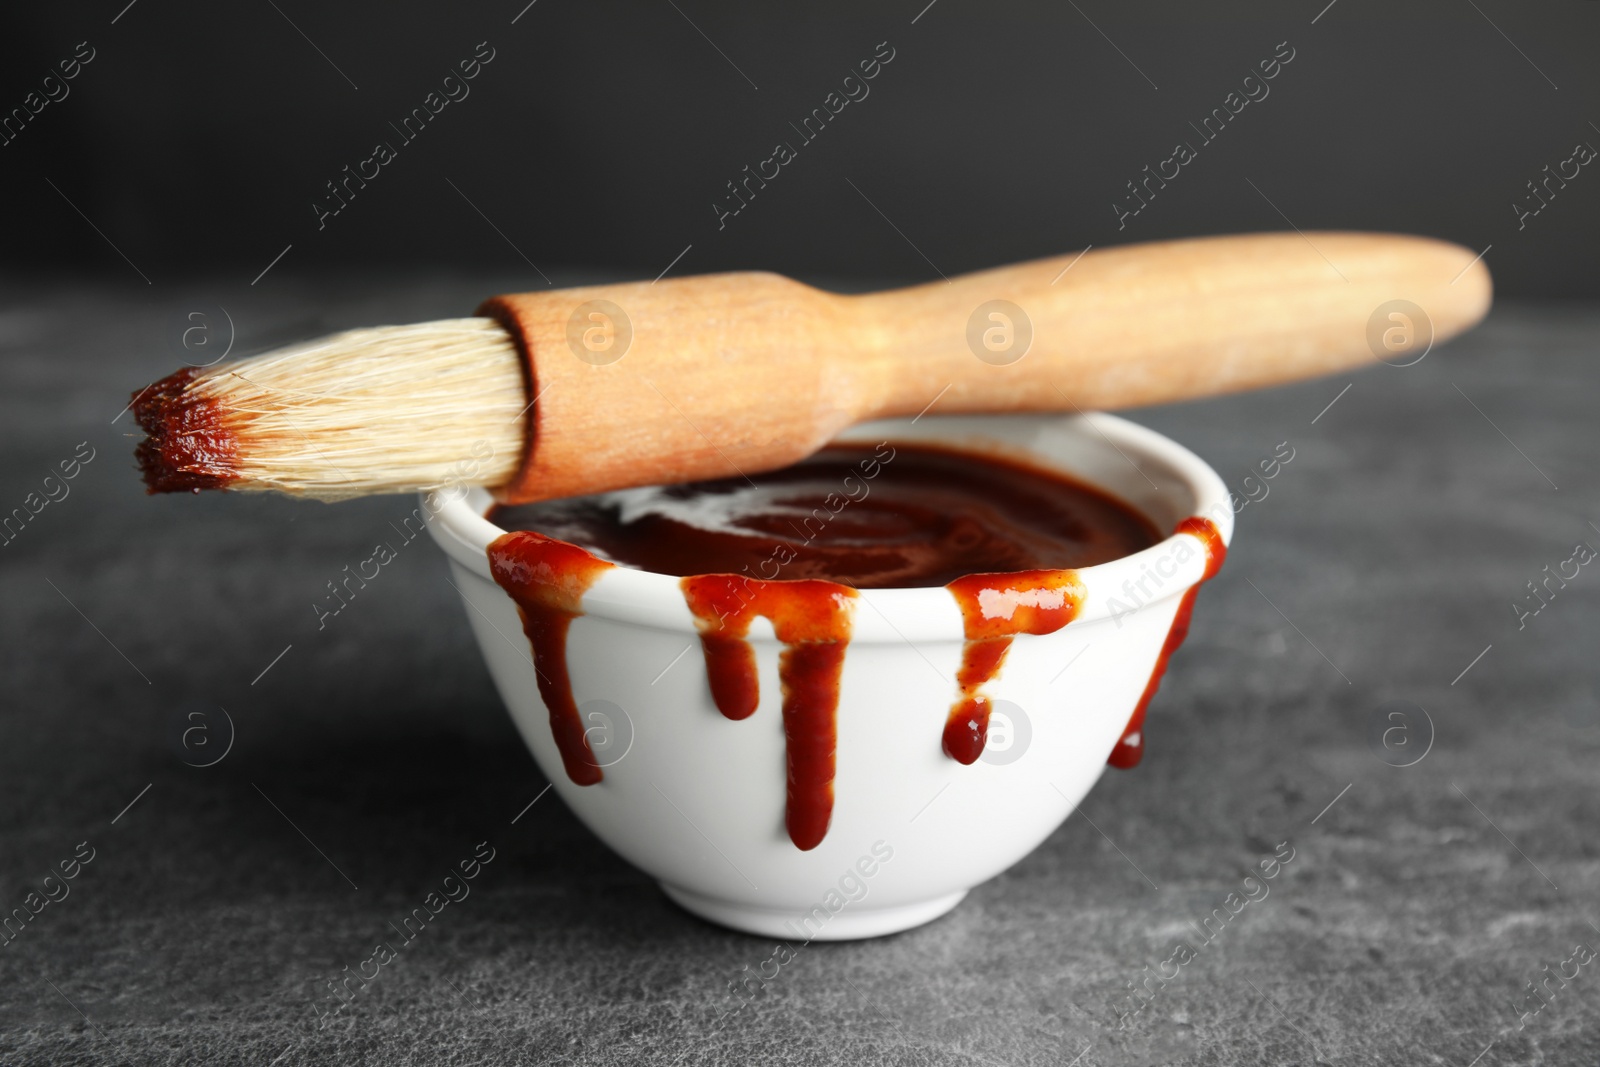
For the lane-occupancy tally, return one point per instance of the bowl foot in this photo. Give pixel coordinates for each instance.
(852, 922)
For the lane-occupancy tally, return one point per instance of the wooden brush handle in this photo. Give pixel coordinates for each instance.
(717, 375)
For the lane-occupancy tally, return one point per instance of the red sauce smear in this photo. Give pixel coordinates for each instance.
(994, 609)
(891, 516)
(547, 579)
(188, 444)
(885, 516)
(1130, 748)
(812, 619)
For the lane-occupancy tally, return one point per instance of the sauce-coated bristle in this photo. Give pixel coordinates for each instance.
(388, 409)
(187, 444)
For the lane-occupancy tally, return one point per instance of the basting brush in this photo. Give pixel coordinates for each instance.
(586, 390)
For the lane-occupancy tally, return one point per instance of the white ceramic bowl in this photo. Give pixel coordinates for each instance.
(697, 800)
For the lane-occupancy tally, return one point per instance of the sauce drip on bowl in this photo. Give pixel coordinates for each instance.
(812, 619)
(1130, 747)
(547, 579)
(994, 609)
(792, 546)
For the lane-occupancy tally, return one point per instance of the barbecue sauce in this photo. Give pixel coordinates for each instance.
(994, 609)
(812, 620)
(547, 579)
(886, 516)
(792, 546)
(1130, 747)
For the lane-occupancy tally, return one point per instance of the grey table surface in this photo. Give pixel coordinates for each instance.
(1381, 568)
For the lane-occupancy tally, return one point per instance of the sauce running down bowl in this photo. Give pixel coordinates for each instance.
(752, 689)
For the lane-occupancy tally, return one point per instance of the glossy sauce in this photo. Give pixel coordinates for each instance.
(994, 609)
(1130, 747)
(547, 579)
(886, 516)
(188, 444)
(1005, 538)
(812, 620)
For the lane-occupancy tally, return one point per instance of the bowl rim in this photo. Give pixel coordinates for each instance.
(456, 521)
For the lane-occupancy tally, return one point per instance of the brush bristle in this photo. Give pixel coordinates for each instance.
(187, 445)
(392, 409)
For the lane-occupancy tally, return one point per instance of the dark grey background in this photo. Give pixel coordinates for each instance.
(601, 134)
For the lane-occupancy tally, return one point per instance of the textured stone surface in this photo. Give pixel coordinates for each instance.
(1383, 561)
